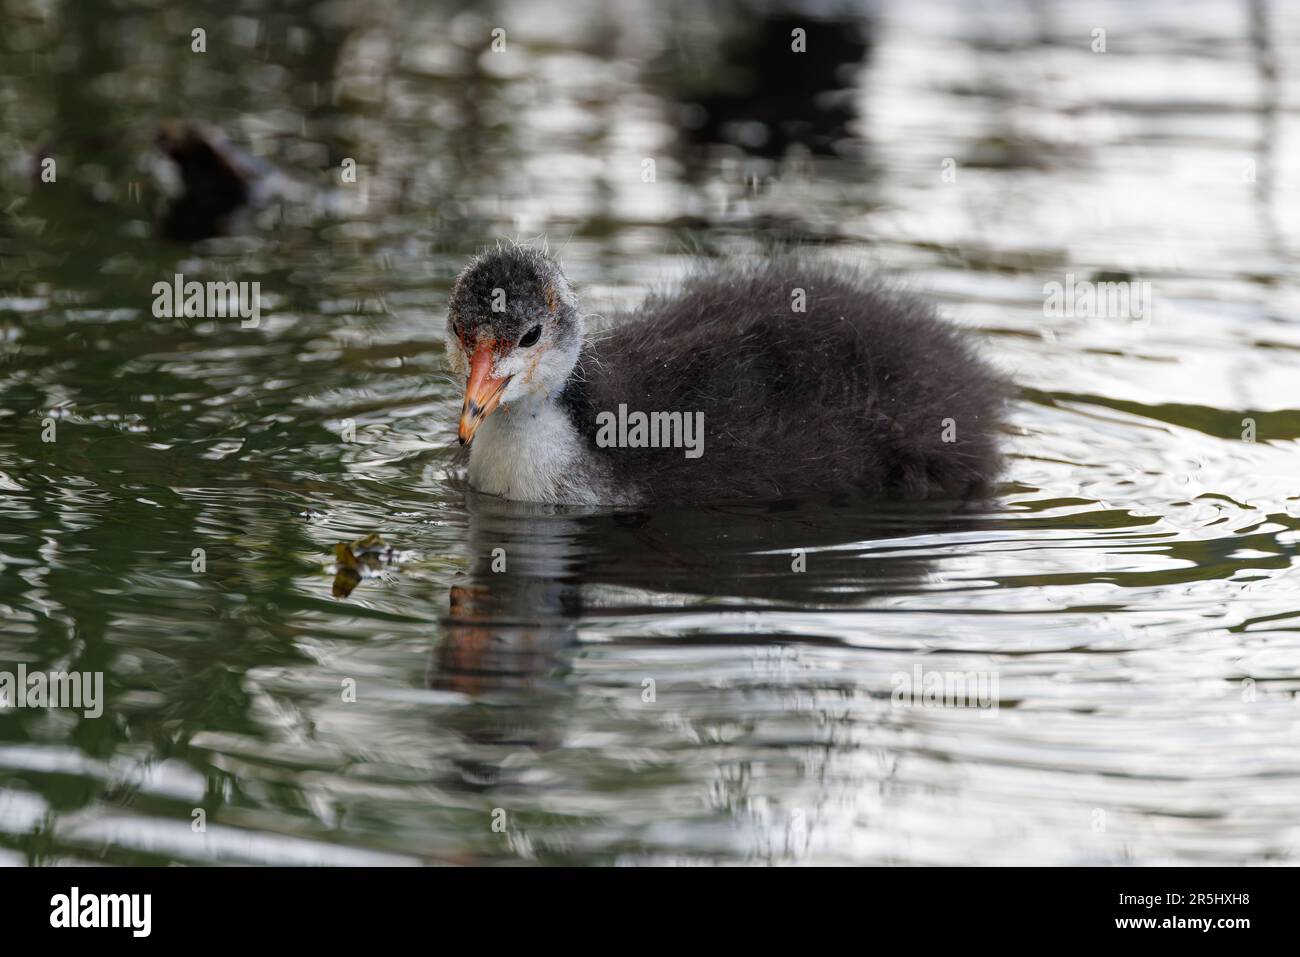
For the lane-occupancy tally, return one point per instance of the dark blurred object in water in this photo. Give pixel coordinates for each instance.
(755, 92)
(218, 181)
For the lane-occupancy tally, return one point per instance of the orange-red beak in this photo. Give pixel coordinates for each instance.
(482, 392)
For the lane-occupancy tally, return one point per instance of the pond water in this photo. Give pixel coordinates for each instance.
(656, 687)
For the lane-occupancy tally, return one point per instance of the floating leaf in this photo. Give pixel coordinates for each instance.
(363, 558)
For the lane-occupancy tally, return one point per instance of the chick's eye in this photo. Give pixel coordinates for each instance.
(531, 336)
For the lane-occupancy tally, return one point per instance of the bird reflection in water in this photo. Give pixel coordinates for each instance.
(536, 573)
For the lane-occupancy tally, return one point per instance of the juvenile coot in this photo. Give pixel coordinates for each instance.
(765, 380)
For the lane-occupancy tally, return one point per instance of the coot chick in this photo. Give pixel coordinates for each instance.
(766, 380)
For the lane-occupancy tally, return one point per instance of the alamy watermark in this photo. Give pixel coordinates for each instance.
(1091, 299)
(74, 909)
(53, 689)
(651, 430)
(179, 299)
(921, 688)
